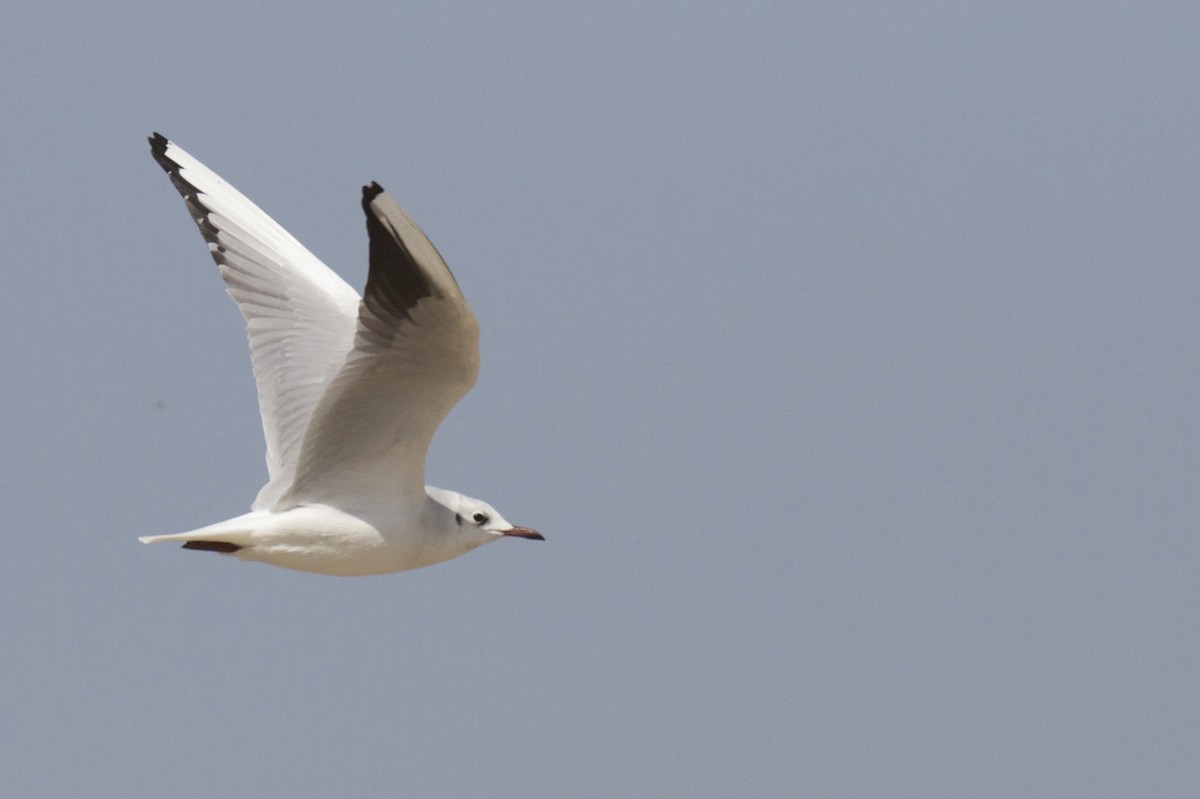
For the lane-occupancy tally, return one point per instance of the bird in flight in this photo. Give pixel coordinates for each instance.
(351, 389)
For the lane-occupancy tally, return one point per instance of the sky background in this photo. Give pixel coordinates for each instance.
(845, 353)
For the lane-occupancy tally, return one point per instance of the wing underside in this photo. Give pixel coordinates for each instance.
(300, 316)
(415, 354)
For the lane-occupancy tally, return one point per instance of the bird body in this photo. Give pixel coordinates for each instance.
(351, 390)
(328, 540)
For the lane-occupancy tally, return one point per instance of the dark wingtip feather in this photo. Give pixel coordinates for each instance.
(158, 148)
(395, 280)
(370, 193)
(191, 196)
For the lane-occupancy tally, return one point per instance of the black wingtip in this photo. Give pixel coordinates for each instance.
(370, 193)
(158, 149)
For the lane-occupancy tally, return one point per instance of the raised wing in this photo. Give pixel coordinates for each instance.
(300, 316)
(416, 352)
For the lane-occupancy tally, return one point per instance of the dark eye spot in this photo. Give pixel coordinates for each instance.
(479, 517)
(458, 518)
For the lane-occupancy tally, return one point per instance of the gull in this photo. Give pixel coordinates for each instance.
(350, 389)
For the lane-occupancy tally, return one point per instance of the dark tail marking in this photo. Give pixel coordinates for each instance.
(212, 546)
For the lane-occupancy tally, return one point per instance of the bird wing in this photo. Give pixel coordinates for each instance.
(415, 354)
(300, 316)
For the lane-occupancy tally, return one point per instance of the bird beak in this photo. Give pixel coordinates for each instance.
(525, 532)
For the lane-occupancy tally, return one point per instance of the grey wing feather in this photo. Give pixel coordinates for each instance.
(415, 354)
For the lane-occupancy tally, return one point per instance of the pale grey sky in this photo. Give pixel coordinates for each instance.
(846, 354)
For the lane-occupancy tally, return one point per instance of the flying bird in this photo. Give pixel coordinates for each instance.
(350, 389)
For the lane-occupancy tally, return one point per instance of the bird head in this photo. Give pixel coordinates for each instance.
(471, 512)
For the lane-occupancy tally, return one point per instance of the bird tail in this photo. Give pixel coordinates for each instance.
(227, 537)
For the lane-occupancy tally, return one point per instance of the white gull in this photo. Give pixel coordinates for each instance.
(350, 389)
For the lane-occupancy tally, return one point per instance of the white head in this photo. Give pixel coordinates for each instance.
(475, 513)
